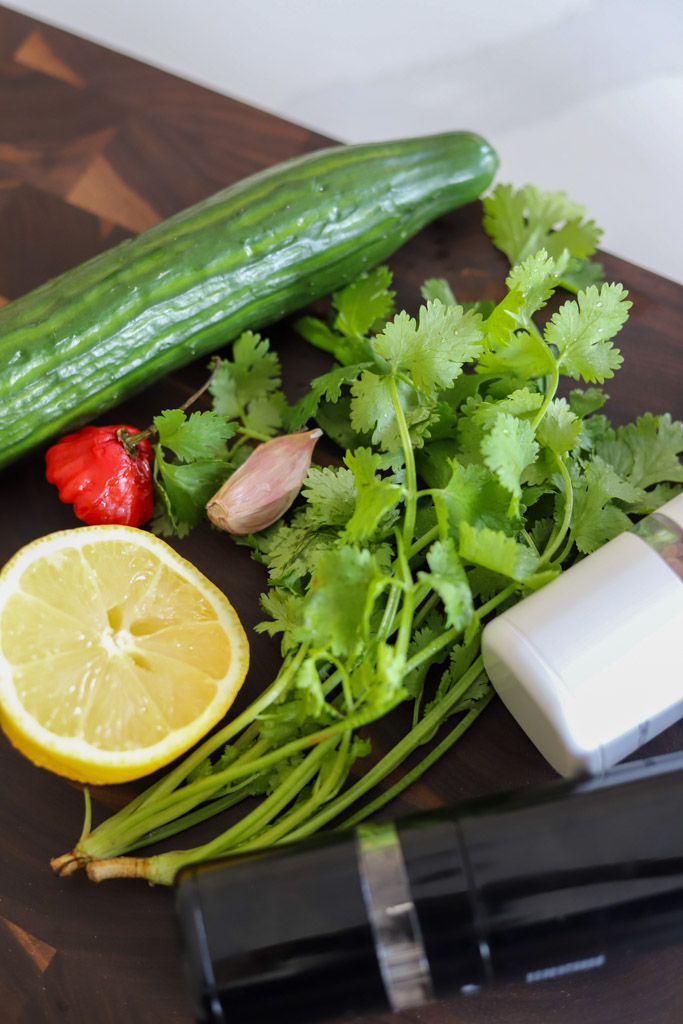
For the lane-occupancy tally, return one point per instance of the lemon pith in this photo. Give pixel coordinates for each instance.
(116, 654)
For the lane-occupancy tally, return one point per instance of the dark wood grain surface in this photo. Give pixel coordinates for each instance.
(93, 147)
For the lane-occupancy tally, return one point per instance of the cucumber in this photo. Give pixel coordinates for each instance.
(244, 258)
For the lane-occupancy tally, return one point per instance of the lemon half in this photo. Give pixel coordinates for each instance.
(116, 654)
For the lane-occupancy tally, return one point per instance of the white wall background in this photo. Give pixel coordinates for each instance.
(580, 95)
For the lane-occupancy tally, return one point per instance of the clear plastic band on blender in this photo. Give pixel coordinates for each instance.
(393, 919)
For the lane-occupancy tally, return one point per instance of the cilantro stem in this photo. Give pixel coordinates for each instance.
(87, 819)
(135, 819)
(419, 734)
(530, 541)
(411, 472)
(439, 642)
(272, 805)
(224, 735)
(426, 608)
(253, 435)
(300, 814)
(549, 395)
(344, 676)
(426, 763)
(163, 867)
(408, 606)
(189, 796)
(424, 541)
(180, 824)
(562, 557)
(566, 519)
(389, 614)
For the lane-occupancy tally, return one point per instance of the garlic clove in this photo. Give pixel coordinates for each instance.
(264, 486)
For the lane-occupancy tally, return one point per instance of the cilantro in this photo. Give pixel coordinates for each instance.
(422, 638)
(361, 307)
(448, 579)
(309, 684)
(466, 482)
(521, 354)
(375, 496)
(522, 222)
(343, 590)
(595, 518)
(560, 428)
(188, 487)
(473, 495)
(373, 409)
(583, 402)
(294, 547)
(508, 448)
(646, 452)
(190, 465)
(328, 388)
(438, 288)
(433, 350)
(247, 387)
(492, 549)
(331, 495)
(284, 609)
(521, 403)
(582, 330)
(201, 436)
(364, 303)
(535, 280)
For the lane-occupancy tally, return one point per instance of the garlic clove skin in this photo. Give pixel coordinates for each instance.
(264, 486)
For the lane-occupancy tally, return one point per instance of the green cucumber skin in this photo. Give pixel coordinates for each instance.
(242, 259)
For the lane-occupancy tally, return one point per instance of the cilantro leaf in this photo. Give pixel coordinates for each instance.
(504, 319)
(293, 547)
(201, 436)
(163, 522)
(372, 410)
(438, 288)
(421, 638)
(284, 609)
(492, 549)
(309, 684)
(253, 371)
(327, 387)
(580, 274)
(474, 495)
(266, 414)
(594, 519)
(375, 496)
(507, 449)
(364, 302)
(448, 579)
(522, 402)
(338, 604)
(582, 330)
(584, 401)
(646, 452)
(522, 222)
(522, 354)
(560, 428)
(318, 333)
(331, 495)
(434, 349)
(536, 278)
(362, 306)
(188, 487)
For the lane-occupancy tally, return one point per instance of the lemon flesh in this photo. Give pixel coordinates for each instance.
(116, 654)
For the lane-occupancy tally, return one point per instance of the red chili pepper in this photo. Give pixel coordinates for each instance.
(106, 480)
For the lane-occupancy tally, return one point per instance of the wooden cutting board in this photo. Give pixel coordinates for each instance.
(93, 147)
